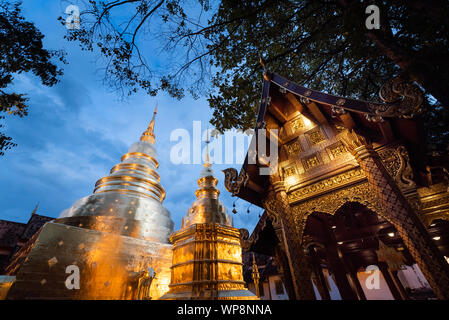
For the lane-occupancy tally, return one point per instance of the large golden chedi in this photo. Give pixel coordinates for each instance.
(117, 237)
(207, 253)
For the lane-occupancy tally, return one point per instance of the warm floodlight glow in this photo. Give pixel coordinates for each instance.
(307, 122)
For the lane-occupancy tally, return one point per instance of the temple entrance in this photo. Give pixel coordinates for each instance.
(357, 255)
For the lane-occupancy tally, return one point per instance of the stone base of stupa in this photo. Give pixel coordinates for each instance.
(108, 263)
(243, 294)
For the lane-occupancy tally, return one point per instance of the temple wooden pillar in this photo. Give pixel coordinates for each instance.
(288, 233)
(357, 286)
(383, 267)
(340, 274)
(352, 272)
(397, 281)
(398, 211)
(318, 271)
(284, 270)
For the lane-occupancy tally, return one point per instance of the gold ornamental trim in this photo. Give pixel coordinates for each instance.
(204, 179)
(428, 218)
(182, 242)
(436, 203)
(218, 282)
(208, 261)
(128, 178)
(137, 167)
(130, 185)
(132, 191)
(331, 202)
(140, 155)
(433, 190)
(202, 228)
(326, 185)
(207, 190)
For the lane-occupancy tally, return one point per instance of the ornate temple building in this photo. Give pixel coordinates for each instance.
(115, 240)
(355, 186)
(207, 252)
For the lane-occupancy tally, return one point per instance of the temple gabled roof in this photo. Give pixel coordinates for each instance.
(396, 119)
(12, 232)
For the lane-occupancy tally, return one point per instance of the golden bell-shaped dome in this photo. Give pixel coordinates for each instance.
(128, 201)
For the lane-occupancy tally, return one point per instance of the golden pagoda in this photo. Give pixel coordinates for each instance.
(207, 253)
(117, 238)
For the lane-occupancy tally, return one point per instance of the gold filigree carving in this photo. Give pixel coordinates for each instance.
(402, 98)
(293, 148)
(311, 161)
(437, 202)
(270, 206)
(289, 171)
(339, 128)
(397, 163)
(391, 160)
(230, 286)
(331, 202)
(326, 185)
(429, 218)
(432, 190)
(315, 136)
(337, 150)
(353, 140)
(297, 124)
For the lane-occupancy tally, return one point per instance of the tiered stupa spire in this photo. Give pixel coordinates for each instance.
(207, 255)
(207, 208)
(132, 193)
(148, 135)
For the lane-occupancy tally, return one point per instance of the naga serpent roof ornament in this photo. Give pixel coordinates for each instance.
(234, 181)
(403, 99)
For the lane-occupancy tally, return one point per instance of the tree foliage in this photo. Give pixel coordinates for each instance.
(21, 50)
(321, 44)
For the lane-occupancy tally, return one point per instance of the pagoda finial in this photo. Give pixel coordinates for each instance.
(35, 209)
(207, 160)
(148, 135)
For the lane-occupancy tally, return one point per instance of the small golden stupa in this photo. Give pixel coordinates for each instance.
(207, 253)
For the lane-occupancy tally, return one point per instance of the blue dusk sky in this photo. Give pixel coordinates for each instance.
(77, 130)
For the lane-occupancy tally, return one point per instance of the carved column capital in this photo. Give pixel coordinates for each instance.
(279, 186)
(357, 144)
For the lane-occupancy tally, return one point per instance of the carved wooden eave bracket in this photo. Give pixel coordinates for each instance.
(234, 181)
